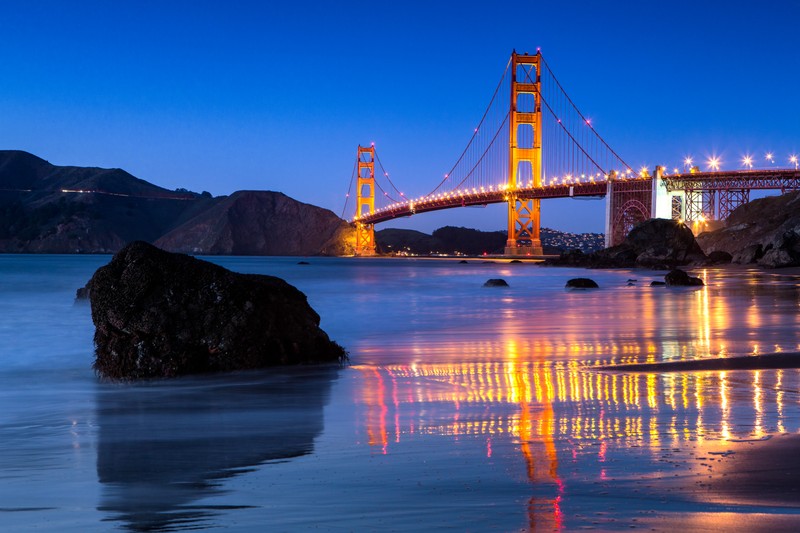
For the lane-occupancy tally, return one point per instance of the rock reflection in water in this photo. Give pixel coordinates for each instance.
(164, 445)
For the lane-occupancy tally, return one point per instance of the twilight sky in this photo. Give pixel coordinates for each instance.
(222, 96)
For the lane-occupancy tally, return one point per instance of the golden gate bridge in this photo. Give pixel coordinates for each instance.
(533, 143)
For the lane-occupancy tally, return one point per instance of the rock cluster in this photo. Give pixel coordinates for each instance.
(765, 232)
(679, 278)
(655, 243)
(159, 314)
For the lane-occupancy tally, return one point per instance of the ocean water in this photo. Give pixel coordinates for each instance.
(463, 408)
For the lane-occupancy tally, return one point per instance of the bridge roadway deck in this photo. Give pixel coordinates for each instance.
(775, 179)
(463, 199)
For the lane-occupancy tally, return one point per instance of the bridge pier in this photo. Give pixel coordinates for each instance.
(524, 217)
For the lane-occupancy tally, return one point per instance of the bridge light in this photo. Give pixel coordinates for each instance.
(747, 161)
(793, 159)
(713, 163)
(675, 170)
(687, 163)
(770, 157)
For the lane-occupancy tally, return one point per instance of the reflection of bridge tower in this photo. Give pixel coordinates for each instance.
(365, 198)
(524, 158)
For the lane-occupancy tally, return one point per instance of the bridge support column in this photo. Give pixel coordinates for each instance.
(365, 201)
(667, 203)
(524, 162)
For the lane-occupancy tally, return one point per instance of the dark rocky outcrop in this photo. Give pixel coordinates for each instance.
(679, 278)
(159, 314)
(656, 243)
(765, 231)
(496, 282)
(657, 283)
(581, 283)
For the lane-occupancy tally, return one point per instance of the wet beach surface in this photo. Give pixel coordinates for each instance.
(465, 407)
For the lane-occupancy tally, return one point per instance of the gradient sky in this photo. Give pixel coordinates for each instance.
(222, 96)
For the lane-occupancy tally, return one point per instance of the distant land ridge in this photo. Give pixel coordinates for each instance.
(455, 240)
(46, 208)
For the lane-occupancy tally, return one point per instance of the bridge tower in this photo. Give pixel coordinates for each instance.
(524, 162)
(365, 200)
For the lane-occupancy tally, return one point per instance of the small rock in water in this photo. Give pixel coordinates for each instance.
(679, 278)
(495, 282)
(83, 293)
(303, 263)
(463, 262)
(159, 314)
(515, 261)
(582, 283)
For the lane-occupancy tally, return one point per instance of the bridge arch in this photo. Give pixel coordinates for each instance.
(629, 214)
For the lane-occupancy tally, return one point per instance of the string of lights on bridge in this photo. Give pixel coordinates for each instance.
(473, 195)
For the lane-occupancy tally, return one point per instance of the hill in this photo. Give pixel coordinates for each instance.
(261, 223)
(765, 232)
(455, 241)
(47, 208)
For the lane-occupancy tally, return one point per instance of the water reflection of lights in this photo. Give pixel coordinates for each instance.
(540, 401)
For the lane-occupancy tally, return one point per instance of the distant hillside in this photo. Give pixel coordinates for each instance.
(261, 223)
(63, 209)
(453, 240)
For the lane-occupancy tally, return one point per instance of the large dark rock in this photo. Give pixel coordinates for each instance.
(655, 243)
(679, 278)
(581, 283)
(496, 282)
(660, 243)
(765, 231)
(159, 314)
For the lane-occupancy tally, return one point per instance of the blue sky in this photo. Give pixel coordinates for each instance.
(222, 96)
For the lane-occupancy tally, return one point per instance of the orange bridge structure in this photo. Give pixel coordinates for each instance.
(533, 143)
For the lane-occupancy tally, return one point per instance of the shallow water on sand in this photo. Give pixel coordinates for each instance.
(464, 407)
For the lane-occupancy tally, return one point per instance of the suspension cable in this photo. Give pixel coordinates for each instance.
(581, 115)
(378, 159)
(475, 133)
(349, 188)
(478, 162)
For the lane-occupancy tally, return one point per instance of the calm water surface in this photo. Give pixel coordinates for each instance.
(464, 408)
